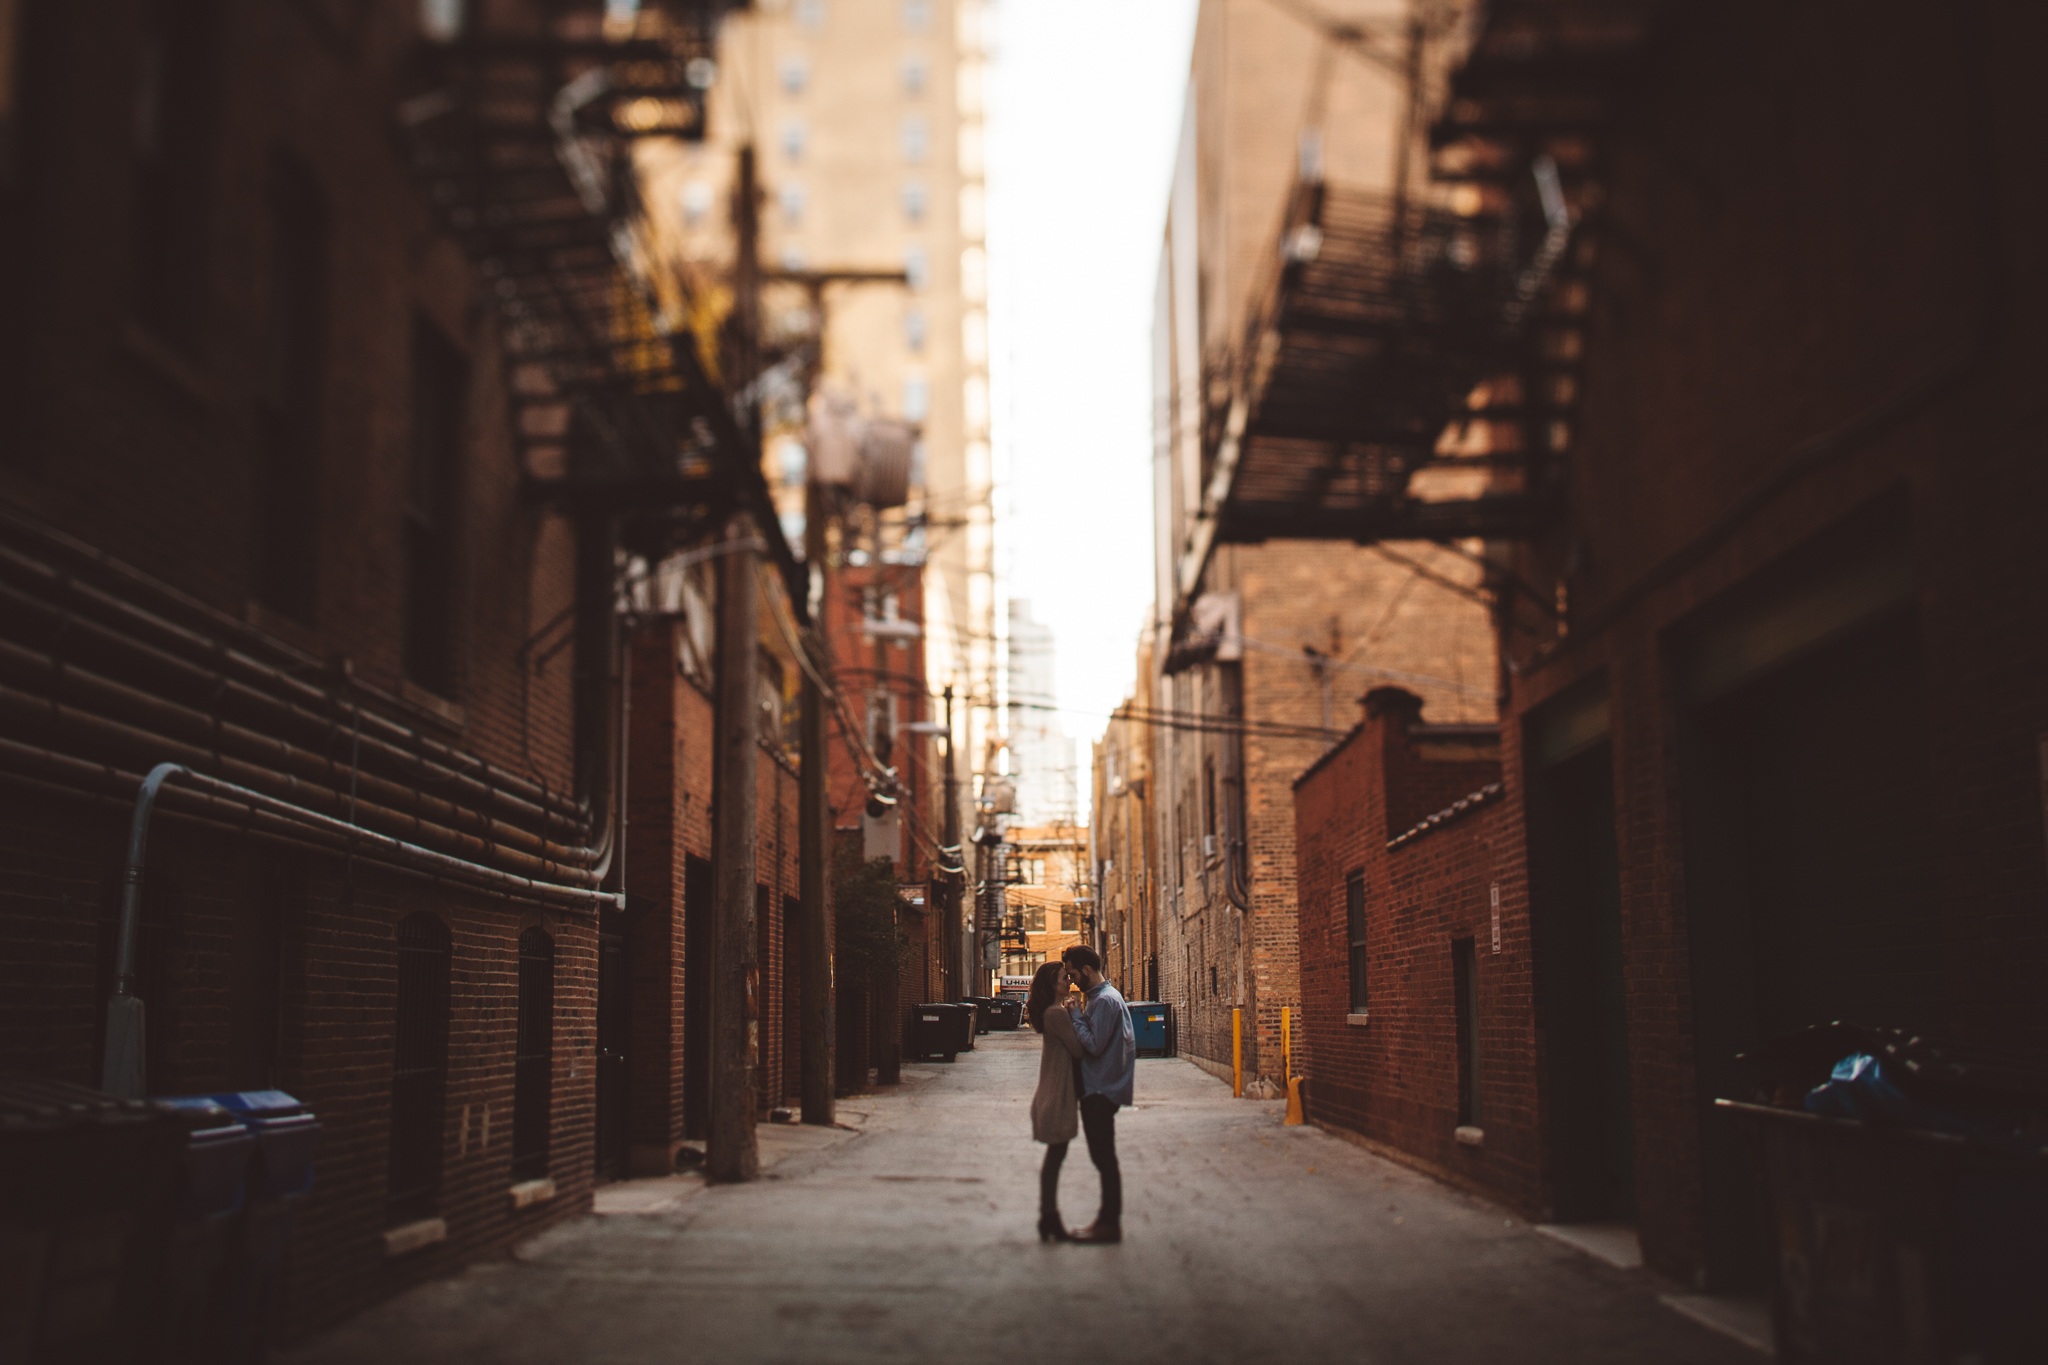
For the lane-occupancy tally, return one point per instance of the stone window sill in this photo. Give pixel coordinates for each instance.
(527, 1193)
(1362, 1017)
(434, 704)
(407, 1238)
(1471, 1136)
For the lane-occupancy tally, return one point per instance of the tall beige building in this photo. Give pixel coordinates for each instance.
(866, 119)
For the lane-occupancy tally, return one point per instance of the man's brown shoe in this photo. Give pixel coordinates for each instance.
(1096, 1232)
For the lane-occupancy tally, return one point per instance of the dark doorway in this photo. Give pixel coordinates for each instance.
(699, 919)
(1465, 1000)
(792, 998)
(614, 1035)
(1576, 886)
(1808, 884)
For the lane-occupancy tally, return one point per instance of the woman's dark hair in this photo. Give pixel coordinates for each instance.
(1046, 989)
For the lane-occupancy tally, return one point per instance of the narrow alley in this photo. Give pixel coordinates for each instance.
(909, 1238)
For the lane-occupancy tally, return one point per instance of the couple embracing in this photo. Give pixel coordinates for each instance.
(1087, 1064)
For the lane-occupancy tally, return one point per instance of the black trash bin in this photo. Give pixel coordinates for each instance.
(85, 1205)
(932, 1033)
(980, 1003)
(1897, 1244)
(198, 1249)
(1005, 1014)
(280, 1174)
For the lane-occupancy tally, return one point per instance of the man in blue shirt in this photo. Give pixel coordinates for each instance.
(1109, 1062)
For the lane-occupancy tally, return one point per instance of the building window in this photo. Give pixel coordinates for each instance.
(917, 15)
(1465, 1000)
(914, 330)
(174, 108)
(917, 398)
(419, 1069)
(288, 399)
(533, 1056)
(791, 198)
(916, 139)
(916, 76)
(793, 137)
(697, 198)
(440, 397)
(917, 266)
(1031, 871)
(13, 70)
(796, 74)
(1212, 980)
(1034, 918)
(442, 20)
(1354, 923)
(914, 200)
(1208, 801)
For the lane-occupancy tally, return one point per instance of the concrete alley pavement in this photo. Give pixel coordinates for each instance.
(913, 1239)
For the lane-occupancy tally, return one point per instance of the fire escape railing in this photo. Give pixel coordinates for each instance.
(524, 145)
(1412, 370)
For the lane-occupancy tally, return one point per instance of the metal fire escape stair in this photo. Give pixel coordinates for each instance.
(523, 144)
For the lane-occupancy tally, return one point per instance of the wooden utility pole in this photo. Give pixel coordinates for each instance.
(956, 960)
(813, 847)
(731, 1153)
(889, 1057)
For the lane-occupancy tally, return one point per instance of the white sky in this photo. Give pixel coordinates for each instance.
(1085, 105)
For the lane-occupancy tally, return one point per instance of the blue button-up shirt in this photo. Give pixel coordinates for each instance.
(1109, 1046)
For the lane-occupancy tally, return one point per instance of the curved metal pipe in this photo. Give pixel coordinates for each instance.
(121, 1073)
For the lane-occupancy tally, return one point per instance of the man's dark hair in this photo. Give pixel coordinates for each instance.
(1081, 955)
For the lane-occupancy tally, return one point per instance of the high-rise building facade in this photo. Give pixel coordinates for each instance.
(1042, 755)
(866, 120)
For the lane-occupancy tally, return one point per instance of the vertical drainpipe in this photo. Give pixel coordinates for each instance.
(122, 1067)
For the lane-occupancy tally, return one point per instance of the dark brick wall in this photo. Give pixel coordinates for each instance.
(1768, 294)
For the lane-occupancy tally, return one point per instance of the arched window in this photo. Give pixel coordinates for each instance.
(419, 1070)
(533, 1056)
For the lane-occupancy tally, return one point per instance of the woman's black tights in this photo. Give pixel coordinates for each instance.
(1049, 1180)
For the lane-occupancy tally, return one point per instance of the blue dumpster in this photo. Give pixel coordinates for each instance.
(1148, 1022)
(280, 1173)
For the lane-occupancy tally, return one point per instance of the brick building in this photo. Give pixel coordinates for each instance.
(1050, 897)
(1416, 1025)
(1121, 833)
(298, 490)
(1259, 642)
(1773, 731)
(873, 623)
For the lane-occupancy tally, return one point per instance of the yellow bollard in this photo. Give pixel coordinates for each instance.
(1237, 1054)
(1294, 1118)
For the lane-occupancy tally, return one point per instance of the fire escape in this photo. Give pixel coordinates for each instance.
(523, 140)
(1411, 369)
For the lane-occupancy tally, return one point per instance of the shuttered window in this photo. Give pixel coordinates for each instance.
(419, 1072)
(1354, 921)
(533, 1056)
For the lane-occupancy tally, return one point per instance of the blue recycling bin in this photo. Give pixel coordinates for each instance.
(284, 1133)
(1148, 1023)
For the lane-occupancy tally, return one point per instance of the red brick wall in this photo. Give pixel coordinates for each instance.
(1394, 1078)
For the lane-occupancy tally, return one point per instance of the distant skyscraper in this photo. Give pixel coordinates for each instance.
(1042, 757)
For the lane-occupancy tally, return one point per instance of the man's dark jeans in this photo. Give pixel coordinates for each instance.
(1098, 1125)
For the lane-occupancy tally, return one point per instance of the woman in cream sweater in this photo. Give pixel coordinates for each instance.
(1055, 1108)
